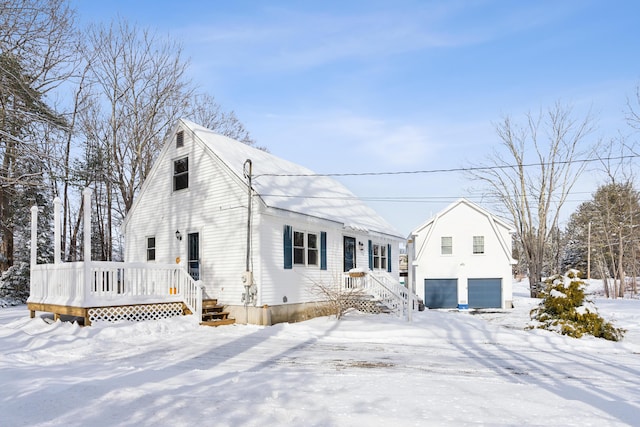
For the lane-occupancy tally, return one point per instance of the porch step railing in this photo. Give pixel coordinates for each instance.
(383, 287)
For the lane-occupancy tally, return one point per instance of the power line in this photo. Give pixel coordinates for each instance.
(408, 199)
(431, 171)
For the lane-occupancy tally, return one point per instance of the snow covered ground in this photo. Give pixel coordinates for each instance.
(444, 368)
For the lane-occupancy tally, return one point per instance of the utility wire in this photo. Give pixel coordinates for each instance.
(430, 171)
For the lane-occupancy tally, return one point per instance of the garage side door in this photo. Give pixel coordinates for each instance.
(441, 293)
(485, 293)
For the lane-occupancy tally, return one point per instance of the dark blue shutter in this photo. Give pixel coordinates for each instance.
(288, 247)
(389, 258)
(370, 255)
(323, 250)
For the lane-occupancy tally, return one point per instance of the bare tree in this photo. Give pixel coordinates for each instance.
(205, 111)
(139, 84)
(532, 175)
(139, 89)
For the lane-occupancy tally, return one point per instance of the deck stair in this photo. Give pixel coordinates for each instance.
(213, 314)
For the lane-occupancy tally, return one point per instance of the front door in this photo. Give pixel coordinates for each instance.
(194, 255)
(349, 253)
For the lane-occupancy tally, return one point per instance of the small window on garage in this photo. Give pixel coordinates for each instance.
(446, 245)
(478, 244)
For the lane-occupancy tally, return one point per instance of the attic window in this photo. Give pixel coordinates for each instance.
(446, 245)
(478, 244)
(181, 174)
(180, 139)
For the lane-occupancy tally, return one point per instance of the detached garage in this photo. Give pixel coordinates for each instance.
(461, 258)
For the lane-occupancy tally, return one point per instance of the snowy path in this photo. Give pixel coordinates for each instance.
(445, 368)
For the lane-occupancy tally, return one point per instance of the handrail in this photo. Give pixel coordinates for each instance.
(393, 297)
(384, 287)
(191, 291)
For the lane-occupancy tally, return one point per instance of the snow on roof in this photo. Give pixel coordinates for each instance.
(283, 185)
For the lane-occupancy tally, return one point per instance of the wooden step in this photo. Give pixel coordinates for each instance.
(219, 315)
(207, 303)
(218, 322)
(213, 314)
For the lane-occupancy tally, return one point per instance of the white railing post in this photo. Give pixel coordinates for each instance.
(34, 254)
(199, 300)
(57, 258)
(86, 289)
(34, 236)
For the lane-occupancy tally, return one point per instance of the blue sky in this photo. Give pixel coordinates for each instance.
(376, 86)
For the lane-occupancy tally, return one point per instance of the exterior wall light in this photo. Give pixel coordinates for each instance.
(178, 235)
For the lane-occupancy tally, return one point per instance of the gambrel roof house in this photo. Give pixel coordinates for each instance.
(462, 258)
(305, 229)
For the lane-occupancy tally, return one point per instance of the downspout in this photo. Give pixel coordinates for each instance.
(247, 174)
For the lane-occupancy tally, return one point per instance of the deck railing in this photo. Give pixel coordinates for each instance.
(101, 283)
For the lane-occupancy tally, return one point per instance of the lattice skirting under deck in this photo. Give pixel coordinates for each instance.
(135, 313)
(364, 305)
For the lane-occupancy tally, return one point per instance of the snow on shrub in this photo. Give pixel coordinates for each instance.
(565, 309)
(14, 285)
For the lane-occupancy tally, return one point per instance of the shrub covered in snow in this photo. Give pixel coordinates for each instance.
(14, 285)
(566, 310)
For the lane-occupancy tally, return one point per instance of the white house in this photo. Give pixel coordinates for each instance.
(462, 259)
(259, 253)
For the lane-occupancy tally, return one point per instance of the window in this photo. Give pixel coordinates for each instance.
(305, 248)
(151, 248)
(298, 248)
(379, 257)
(181, 174)
(180, 139)
(478, 244)
(312, 249)
(446, 245)
(295, 251)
